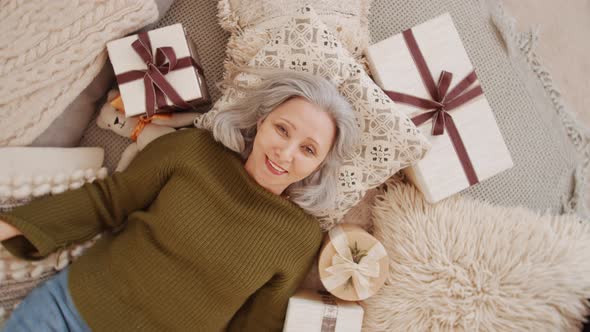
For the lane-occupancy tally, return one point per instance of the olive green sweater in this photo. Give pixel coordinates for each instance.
(195, 244)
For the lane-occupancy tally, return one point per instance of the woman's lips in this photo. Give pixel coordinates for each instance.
(271, 168)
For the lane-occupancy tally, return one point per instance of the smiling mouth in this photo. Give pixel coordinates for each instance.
(274, 168)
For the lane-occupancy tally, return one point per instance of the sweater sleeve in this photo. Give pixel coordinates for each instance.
(56, 221)
(265, 310)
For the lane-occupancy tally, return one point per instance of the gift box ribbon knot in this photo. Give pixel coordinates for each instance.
(344, 268)
(157, 88)
(441, 103)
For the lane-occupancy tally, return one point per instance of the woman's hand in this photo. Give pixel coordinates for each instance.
(7, 231)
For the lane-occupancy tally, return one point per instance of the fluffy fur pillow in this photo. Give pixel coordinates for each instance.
(465, 265)
(390, 141)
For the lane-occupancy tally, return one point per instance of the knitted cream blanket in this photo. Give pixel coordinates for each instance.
(50, 50)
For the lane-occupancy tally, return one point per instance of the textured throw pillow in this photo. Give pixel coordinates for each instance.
(534, 123)
(67, 129)
(466, 265)
(251, 22)
(46, 63)
(390, 141)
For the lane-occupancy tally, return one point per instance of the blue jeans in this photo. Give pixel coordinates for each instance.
(48, 307)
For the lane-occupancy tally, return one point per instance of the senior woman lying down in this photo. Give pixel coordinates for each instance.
(199, 236)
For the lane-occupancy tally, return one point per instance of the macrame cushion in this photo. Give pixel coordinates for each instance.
(390, 141)
(251, 22)
(466, 265)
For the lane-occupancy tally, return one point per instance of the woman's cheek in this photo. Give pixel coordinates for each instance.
(309, 167)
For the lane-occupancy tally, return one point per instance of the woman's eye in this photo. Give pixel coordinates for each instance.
(282, 130)
(309, 150)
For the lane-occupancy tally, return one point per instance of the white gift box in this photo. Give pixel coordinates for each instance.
(188, 82)
(311, 311)
(441, 173)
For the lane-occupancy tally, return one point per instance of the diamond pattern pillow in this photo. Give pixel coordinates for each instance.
(390, 141)
(251, 22)
(348, 19)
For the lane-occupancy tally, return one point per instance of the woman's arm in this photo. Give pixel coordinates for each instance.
(265, 310)
(57, 221)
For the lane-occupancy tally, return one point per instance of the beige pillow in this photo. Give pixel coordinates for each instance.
(67, 129)
(466, 265)
(390, 141)
(47, 63)
(251, 22)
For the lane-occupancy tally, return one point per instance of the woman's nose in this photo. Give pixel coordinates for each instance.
(285, 153)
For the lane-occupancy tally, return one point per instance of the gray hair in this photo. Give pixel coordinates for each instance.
(235, 127)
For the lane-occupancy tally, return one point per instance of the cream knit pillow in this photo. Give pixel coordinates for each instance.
(390, 141)
(47, 62)
(466, 265)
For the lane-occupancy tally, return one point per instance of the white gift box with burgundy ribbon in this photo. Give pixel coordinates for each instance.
(426, 71)
(158, 70)
(316, 311)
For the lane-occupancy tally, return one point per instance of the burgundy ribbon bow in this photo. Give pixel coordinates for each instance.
(442, 102)
(157, 87)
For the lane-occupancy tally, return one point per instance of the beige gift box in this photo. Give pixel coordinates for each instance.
(188, 82)
(442, 172)
(341, 274)
(311, 311)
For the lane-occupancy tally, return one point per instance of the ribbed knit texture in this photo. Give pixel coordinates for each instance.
(195, 238)
(50, 51)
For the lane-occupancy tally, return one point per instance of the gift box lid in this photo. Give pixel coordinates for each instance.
(374, 258)
(168, 36)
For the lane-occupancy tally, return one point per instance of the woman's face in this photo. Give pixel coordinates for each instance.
(290, 144)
